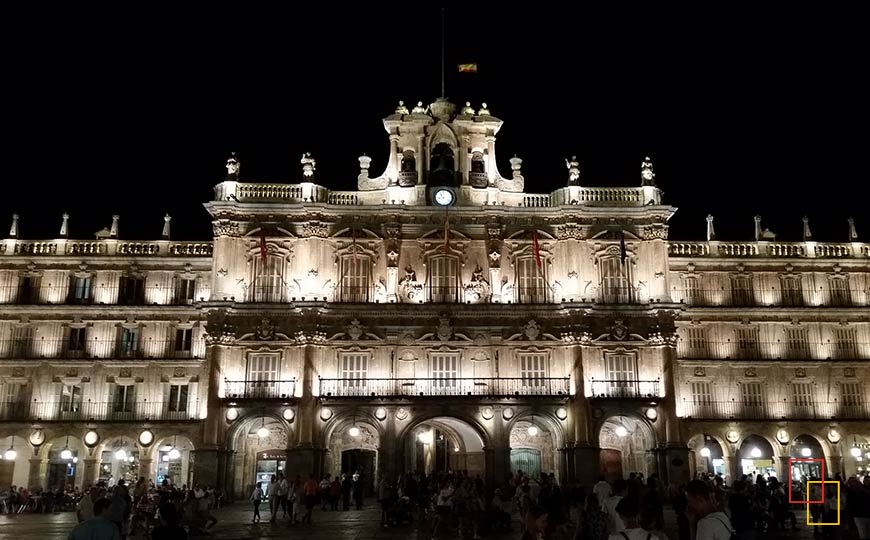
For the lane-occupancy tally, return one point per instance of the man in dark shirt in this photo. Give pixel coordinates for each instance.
(741, 511)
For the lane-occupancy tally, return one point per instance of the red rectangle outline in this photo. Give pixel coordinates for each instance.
(806, 460)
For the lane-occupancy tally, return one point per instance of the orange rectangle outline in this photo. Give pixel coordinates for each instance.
(823, 487)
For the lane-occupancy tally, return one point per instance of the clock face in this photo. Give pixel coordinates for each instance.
(443, 197)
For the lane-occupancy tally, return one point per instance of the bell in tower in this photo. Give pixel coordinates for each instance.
(442, 166)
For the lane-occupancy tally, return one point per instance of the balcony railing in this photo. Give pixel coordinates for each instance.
(625, 389)
(138, 411)
(97, 295)
(770, 297)
(774, 350)
(545, 386)
(92, 349)
(266, 389)
(774, 410)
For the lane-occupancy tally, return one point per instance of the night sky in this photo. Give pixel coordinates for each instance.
(740, 117)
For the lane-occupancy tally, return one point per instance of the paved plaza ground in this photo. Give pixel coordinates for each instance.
(235, 522)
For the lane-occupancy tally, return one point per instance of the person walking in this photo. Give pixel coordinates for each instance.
(99, 527)
(256, 499)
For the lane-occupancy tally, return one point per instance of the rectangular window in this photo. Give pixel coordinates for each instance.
(82, 290)
(747, 343)
(14, 399)
(693, 295)
(533, 369)
(852, 394)
(621, 373)
(71, 398)
(531, 283)
(845, 344)
(791, 291)
(702, 393)
(697, 345)
(355, 279)
(445, 370)
(354, 369)
(269, 283)
(128, 342)
(615, 283)
(124, 398)
(29, 290)
(22, 340)
(185, 291)
(840, 291)
(263, 376)
(132, 291)
(753, 399)
(741, 291)
(178, 398)
(75, 345)
(443, 279)
(802, 394)
(183, 342)
(796, 346)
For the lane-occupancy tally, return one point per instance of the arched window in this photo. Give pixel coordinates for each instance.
(615, 280)
(268, 283)
(531, 281)
(443, 279)
(356, 279)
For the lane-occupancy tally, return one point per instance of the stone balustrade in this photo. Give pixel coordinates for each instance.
(91, 248)
(801, 250)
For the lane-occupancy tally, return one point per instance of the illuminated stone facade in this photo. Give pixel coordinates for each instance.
(378, 330)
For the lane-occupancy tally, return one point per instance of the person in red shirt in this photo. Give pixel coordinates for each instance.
(311, 488)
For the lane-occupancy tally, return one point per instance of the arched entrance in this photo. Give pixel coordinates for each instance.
(118, 460)
(856, 453)
(260, 445)
(173, 461)
(353, 449)
(14, 471)
(756, 457)
(63, 462)
(444, 444)
(627, 445)
(533, 448)
(709, 455)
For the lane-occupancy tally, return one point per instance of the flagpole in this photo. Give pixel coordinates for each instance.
(443, 92)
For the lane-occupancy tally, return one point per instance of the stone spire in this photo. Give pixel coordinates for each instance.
(166, 219)
(573, 171)
(807, 234)
(711, 234)
(113, 232)
(647, 176)
(13, 230)
(64, 226)
(233, 166)
(757, 228)
(853, 233)
(308, 167)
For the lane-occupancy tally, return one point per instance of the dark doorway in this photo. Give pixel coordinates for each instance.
(611, 464)
(61, 474)
(527, 460)
(362, 462)
(6, 470)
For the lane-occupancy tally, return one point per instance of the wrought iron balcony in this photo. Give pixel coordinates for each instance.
(109, 349)
(437, 387)
(774, 410)
(77, 411)
(773, 350)
(759, 297)
(131, 295)
(625, 389)
(259, 389)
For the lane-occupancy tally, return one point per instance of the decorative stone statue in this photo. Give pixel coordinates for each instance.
(233, 167)
(401, 109)
(757, 228)
(468, 110)
(711, 234)
(13, 230)
(647, 176)
(419, 109)
(166, 220)
(573, 171)
(807, 234)
(484, 111)
(853, 233)
(308, 166)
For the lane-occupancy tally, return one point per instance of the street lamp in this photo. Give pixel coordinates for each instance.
(66, 453)
(11, 454)
(263, 432)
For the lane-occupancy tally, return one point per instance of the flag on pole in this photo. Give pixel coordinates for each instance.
(264, 253)
(446, 229)
(622, 252)
(536, 247)
(467, 68)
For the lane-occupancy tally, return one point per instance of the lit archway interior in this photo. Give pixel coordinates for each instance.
(172, 460)
(444, 444)
(856, 454)
(709, 456)
(533, 450)
(627, 446)
(119, 460)
(353, 449)
(15, 471)
(756, 457)
(260, 451)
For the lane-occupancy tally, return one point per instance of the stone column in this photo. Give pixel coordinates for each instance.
(392, 284)
(422, 158)
(491, 168)
(206, 466)
(498, 465)
(36, 477)
(144, 468)
(394, 158)
(388, 451)
(676, 467)
(781, 465)
(495, 283)
(306, 457)
(229, 474)
(91, 470)
(586, 454)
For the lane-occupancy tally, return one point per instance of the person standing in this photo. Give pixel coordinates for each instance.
(256, 499)
(99, 527)
(358, 490)
(712, 523)
(283, 491)
(273, 497)
(346, 486)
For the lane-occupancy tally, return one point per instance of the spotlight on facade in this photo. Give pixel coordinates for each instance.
(533, 430)
(806, 452)
(621, 431)
(353, 432)
(174, 453)
(856, 452)
(121, 455)
(755, 452)
(705, 452)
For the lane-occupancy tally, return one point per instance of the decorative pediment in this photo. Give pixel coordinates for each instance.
(480, 355)
(613, 234)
